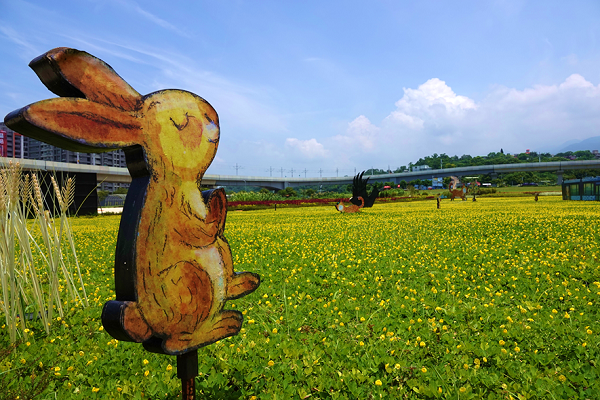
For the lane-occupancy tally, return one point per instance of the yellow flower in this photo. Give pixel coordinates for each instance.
(589, 332)
(81, 353)
(378, 382)
(169, 367)
(95, 389)
(462, 389)
(271, 363)
(274, 330)
(422, 344)
(361, 343)
(562, 378)
(423, 370)
(56, 369)
(146, 373)
(517, 349)
(145, 362)
(502, 342)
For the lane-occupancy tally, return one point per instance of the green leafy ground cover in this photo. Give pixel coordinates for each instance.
(493, 299)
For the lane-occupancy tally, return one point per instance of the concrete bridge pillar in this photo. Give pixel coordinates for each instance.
(559, 177)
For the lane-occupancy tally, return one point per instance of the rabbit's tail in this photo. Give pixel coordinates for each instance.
(123, 321)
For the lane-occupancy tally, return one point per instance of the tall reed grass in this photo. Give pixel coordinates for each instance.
(38, 259)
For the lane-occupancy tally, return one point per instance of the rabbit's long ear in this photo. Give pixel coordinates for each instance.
(77, 124)
(74, 73)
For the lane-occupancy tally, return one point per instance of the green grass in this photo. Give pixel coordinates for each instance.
(486, 299)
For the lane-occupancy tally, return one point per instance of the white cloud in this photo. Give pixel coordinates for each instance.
(20, 40)
(310, 149)
(434, 119)
(433, 97)
(576, 81)
(360, 135)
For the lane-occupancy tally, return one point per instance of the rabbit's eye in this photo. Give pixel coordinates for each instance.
(183, 125)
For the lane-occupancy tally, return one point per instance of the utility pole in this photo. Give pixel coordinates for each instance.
(270, 171)
(305, 172)
(237, 167)
(281, 172)
(337, 172)
(292, 171)
(320, 172)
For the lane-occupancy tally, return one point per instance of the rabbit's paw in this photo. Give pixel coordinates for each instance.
(123, 321)
(134, 323)
(225, 324)
(241, 284)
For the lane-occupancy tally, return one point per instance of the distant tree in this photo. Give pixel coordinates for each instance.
(310, 192)
(102, 194)
(120, 190)
(287, 192)
(264, 191)
(584, 155)
(501, 151)
(403, 184)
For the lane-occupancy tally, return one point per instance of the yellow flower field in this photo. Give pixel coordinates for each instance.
(487, 299)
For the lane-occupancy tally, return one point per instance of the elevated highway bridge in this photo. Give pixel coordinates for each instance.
(121, 175)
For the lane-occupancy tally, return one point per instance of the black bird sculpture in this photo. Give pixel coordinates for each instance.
(359, 189)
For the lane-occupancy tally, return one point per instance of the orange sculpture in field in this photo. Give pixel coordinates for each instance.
(173, 265)
(349, 207)
(454, 192)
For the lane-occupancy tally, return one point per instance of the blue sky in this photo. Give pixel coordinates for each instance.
(327, 86)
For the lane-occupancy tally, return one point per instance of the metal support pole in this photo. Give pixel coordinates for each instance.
(187, 370)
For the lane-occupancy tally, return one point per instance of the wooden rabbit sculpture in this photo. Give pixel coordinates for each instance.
(173, 265)
(350, 207)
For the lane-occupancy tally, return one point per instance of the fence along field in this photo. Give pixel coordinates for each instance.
(487, 299)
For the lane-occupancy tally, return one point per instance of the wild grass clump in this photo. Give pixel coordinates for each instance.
(38, 260)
